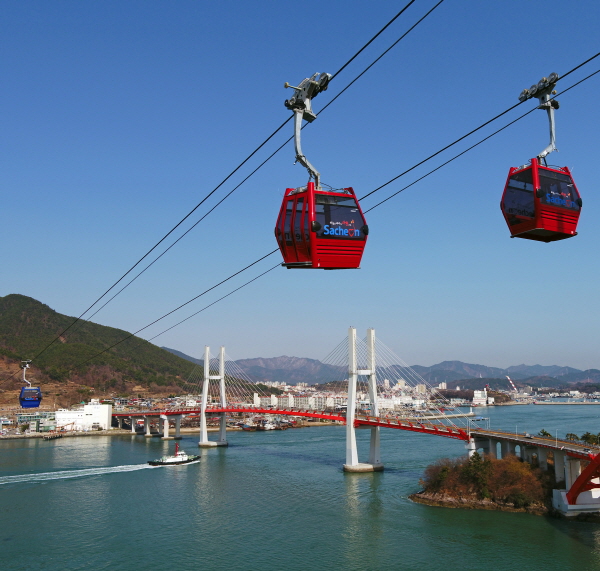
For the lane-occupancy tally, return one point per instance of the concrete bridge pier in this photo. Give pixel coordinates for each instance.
(493, 449)
(165, 420)
(505, 449)
(204, 441)
(559, 466)
(120, 422)
(527, 453)
(178, 426)
(352, 464)
(222, 441)
(132, 425)
(147, 427)
(471, 447)
(223, 431)
(482, 444)
(542, 456)
(572, 471)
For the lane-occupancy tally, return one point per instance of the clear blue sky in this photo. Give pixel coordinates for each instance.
(118, 117)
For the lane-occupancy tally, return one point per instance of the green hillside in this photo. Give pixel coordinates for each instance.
(27, 326)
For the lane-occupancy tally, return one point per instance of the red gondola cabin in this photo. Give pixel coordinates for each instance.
(321, 229)
(541, 203)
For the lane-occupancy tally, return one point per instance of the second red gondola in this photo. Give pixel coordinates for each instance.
(541, 203)
(321, 229)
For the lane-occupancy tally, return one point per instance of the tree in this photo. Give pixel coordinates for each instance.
(476, 472)
(544, 433)
(589, 438)
(572, 437)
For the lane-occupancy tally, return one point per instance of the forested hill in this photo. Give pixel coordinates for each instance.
(27, 326)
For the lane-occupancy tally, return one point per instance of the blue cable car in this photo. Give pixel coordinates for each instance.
(30, 397)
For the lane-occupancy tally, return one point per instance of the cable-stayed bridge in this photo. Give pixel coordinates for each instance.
(361, 366)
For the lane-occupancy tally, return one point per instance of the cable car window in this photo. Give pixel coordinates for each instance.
(558, 190)
(298, 220)
(518, 199)
(288, 223)
(339, 217)
(306, 220)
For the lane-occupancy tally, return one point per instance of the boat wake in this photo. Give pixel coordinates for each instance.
(65, 474)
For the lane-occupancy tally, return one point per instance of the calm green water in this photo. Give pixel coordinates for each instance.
(272, 500)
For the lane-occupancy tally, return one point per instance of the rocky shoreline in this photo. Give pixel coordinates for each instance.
(446, 501)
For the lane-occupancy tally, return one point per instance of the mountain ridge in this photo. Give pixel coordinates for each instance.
(292, 370)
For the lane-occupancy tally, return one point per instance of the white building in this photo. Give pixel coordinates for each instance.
(91, 416)
(480, 398)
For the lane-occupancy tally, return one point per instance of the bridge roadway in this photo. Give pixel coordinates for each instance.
(411, 424)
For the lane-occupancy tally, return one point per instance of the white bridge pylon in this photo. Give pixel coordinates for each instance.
(352, 464)
(222, 439)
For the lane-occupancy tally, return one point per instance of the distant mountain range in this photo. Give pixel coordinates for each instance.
(293, 370)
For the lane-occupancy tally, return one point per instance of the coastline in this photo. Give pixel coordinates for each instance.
(118, 432)
(446, 501)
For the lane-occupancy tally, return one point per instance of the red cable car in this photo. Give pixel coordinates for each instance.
(318, 228)
(541, 203)
(321, 229)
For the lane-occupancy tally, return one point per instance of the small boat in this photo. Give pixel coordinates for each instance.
(180, 457)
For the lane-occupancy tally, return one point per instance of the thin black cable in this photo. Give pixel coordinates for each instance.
(465, 136)
(267, 255)
(383, 54)
(208, 195)
(278, 149)
(176, 309)
(479, 143)
(166, 235)
(217, 301)
(372, 39)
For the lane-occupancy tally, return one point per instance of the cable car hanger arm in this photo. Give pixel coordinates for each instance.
(25, 366)
(300, 104)
(543, 91)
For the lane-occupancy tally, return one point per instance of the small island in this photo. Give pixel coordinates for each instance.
(487, 483)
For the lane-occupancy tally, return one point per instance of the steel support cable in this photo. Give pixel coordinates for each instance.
(166, 235)
(372, 39)
(471, 132)
(460, 154)
(276, 150)
(176, 309)
(217, 301)
(210, 194)
(478, 143)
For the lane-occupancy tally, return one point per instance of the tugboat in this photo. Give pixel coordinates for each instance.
(180, 457)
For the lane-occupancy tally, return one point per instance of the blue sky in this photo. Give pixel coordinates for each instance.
(118, 117)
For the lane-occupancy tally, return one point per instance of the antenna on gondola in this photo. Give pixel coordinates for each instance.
(543, 90)
(300, 104)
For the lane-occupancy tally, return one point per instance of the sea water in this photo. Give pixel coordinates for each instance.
(271, 500)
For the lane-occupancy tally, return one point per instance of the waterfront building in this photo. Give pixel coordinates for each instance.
(480, 398)
(90, 416)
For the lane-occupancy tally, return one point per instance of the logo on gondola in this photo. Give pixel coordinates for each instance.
(350, 232)
(559, 201)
